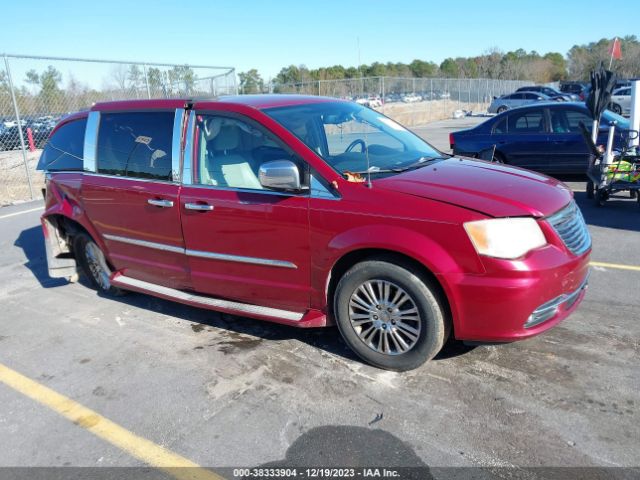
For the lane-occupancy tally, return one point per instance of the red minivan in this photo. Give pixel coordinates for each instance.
(311, 211)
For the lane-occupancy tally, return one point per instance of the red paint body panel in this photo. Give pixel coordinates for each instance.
(118, 206)
(249, 225)
(498, 191)
(419, 214)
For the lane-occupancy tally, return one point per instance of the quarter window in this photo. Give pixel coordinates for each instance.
(136, 145)
(64, 150)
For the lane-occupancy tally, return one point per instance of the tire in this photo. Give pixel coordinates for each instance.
(590, 189)
(423, 333)
(93, 264)
(601, 196)
(615, 108)
(633, 193)
(501, 109)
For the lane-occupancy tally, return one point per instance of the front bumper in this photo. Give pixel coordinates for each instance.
(517, 300)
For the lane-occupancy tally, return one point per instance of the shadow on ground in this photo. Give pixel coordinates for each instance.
(349, 446)
(32, 243)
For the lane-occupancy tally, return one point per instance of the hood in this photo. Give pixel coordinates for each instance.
(489, 188)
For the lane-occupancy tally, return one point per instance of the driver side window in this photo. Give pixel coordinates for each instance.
(230, 151)
(355, 136)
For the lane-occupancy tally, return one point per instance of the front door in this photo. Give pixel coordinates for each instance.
(243, 243)
(570, 152)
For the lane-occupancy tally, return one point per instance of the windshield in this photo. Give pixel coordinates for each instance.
(352, 138)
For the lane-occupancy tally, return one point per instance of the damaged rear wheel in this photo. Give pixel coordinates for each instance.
(93, 264)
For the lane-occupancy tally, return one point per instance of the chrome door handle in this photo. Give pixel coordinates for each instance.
(201, 207)
(156, 202)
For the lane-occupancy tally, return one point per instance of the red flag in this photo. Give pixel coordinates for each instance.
(614, 50)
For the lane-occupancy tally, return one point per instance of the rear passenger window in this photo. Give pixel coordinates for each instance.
(64, 149)
(531, 121)
(136, 145)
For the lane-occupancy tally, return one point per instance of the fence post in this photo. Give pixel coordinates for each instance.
(17, 112)
(382, 98)
(146, 81)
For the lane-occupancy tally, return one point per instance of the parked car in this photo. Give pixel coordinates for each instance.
(505, 102)
(552, 93)
(575, 88)
(311, 211)
(621, 101)
(411, 98)
(10, 137)
(544, 137)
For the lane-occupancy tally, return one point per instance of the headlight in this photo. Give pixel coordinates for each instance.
(505, 237)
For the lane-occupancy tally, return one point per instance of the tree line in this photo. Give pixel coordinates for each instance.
(47, 91)
(494, 63)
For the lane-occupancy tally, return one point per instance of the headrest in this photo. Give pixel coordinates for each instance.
(227, 139)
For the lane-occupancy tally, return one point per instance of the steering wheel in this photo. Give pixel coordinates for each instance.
(353, 144)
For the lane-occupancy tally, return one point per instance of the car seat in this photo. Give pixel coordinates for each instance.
(225, 164)
(559, 123)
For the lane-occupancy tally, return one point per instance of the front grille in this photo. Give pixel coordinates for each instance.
(570, 226)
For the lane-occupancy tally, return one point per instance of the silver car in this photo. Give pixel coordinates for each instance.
(516, 99)
(621, 101)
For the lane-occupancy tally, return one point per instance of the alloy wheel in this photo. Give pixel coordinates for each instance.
(385, 317)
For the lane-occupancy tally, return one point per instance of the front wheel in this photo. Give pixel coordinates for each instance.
(390, 315)
(615, 108)
(94, 265)
(501, 109)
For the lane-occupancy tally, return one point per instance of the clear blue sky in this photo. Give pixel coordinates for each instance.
(268, 35)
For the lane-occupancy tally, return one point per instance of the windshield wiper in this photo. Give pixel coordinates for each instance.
(421, 162)
(374, 170)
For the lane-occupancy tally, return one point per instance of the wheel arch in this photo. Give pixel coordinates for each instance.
(353, 257)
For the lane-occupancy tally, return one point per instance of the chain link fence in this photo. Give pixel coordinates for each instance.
(35, 92)
(411, 101)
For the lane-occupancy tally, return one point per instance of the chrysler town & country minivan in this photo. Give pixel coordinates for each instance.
(311, 211)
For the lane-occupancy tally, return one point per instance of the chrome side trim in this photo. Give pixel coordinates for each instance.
(201, 254)
(131, 179)
(91, 142)
(240, 259)
(193, 298)
(187, 159)
(176, 144)
(550, 309)
(144, 243)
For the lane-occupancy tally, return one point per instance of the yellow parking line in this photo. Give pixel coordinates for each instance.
(619, 266)
(138, 447)
(20, 213)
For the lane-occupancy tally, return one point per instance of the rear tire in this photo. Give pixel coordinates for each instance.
(390, 315)
(615, 108)
(502, 109)
(93, 264)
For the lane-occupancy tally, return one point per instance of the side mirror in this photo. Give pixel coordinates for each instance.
(279, 175)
